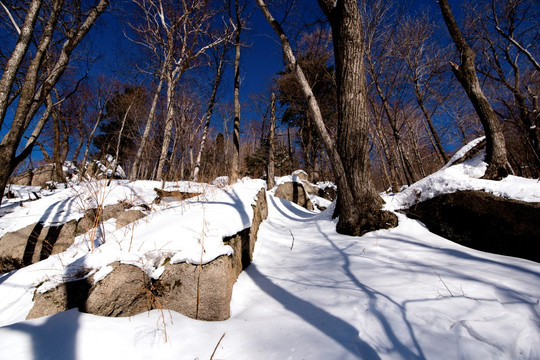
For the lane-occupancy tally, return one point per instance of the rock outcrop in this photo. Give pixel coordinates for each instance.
(126, 291)
(294, 192)
(36, 242)
(483, 221)
(198, 291)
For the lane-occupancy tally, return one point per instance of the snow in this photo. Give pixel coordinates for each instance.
(310, 293)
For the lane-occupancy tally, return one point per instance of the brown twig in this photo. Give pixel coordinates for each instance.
(215, 349)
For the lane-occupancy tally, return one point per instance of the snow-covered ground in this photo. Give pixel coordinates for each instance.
(310, 293)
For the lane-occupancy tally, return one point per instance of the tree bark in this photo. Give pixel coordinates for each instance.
(33, 93)
(147, 128)
(359, 205)
(270, 173)
(12, 66)
(169, 119)
(209, 111)
(465, 73)
(235, 163)
(359, 208)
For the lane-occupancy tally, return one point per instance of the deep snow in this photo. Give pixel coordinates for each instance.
(310, 293)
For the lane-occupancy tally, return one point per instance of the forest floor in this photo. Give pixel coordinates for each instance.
(310, 293)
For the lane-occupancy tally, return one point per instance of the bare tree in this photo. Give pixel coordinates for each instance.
(39, 80)
(423, 62)
(238, 24)
(465, 72)
(178, 34)
(220, 62)
(271, 139)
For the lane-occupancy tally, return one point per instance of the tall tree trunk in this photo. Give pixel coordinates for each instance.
(465, 73)
(117, 153)
(33, 93)
(235, 164)
(58, 171)
(12, 66)
(168, 128)
(359, 205)
(209, 111)
(359, 209)
(427, 116)
(78, 148)
(83, 166)
(147, 128)
(270, 173)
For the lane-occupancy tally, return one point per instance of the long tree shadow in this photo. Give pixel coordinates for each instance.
(55, 338)
(335, 328)
(374, 296)
(290, 206)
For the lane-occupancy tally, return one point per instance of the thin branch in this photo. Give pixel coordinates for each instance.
(11, 18)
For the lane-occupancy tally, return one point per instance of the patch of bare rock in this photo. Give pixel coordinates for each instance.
(37, 242)
(198, 291)
(483, 221)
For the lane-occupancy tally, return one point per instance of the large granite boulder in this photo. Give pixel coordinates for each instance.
(483, 221)
(294, 192)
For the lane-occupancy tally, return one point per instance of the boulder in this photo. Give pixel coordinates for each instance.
(36, 242)
(127, 217)
(179, 288)
(24, 178)
(301, 174)
(42, 175)
(69, 295)
(126, 291)
(199, 291)
(294, 192)
(328, 193)
(483, 221)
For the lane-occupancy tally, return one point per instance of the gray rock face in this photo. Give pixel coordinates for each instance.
(127, 217)
(201, 292)
(204, 292)
(124, 292)
(483, 221)
(295, 192)
(35, 177)
(66, 296)
(37, 242)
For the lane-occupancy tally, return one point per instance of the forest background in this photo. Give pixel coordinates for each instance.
(153, 82)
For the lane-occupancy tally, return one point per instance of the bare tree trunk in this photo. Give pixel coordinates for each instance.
(78, 148)
(410, 174)
(59, 174)
(168, 128)
(147, 128)
(359, 205)
(23, 42)
(427, 116)
(117, 153)
(498, 166)
(209, 111)
(270, 173)
(82, 166)
(33, 93)
(235, 163)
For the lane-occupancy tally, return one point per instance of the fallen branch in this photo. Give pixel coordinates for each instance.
(215, 349)
(292, 244)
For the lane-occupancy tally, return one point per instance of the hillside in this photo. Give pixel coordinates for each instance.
(310, 293)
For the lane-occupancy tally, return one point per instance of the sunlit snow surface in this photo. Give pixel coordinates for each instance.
(310, 293)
